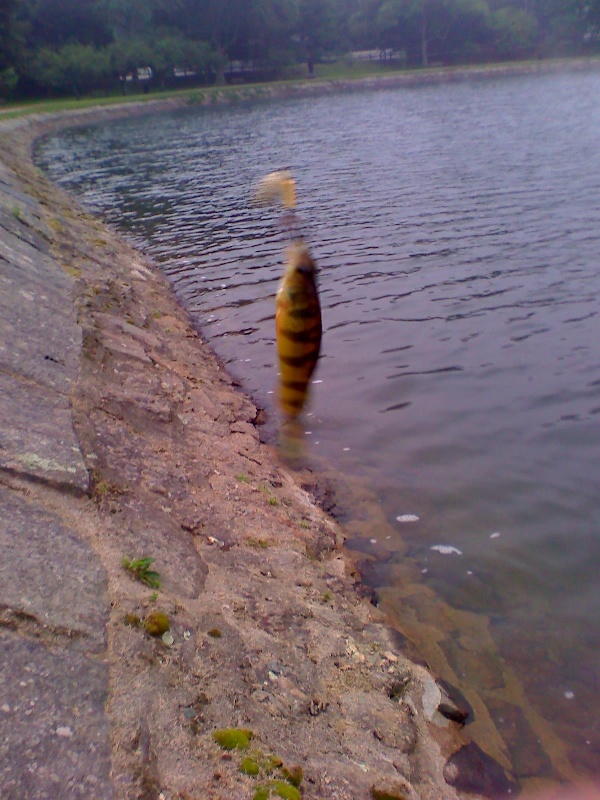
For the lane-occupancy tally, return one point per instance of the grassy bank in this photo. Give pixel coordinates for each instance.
(326, 78)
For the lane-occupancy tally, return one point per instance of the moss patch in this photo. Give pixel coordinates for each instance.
(157, 623)
(233, 738)
(250, 766)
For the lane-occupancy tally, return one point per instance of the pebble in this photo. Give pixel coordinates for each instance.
(407, 518)
(446, 549)
(64, 731)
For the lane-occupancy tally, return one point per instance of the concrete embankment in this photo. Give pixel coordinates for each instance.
(121, 435)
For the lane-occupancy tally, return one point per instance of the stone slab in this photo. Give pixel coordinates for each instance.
(54, 735)
(36, 434)
(49, 575)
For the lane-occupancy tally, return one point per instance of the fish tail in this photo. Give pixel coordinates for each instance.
(276, 187)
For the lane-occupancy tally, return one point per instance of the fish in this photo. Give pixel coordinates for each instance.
(298, 324)
(298, 328)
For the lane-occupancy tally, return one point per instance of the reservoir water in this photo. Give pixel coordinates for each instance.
(457, 232)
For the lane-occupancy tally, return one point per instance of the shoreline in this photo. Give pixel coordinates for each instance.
(306, 87)
(269, 631)
(132, 324)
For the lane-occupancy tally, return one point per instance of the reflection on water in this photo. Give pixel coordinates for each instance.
(456, 230)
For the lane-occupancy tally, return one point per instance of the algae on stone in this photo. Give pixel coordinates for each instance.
(233, 738)
(157, 623)
(250, 766)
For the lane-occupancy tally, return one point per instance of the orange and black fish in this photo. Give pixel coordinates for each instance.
(298, 329)
(298, 312)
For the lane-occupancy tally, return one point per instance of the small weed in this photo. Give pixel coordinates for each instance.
(273, 501)
(242, 478)
(265, 488)
(104, 490)
(153, 597)
(75, 272)
(260, 543)
(326, 597)
(157, 314)
(304, 524)
(140, 568)
(18, 213)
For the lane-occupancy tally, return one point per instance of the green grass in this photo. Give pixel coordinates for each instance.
(347, 70)
(340, 70)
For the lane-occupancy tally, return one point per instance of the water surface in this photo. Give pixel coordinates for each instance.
(457, 233)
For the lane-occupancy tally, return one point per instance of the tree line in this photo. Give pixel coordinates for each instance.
(53, 47)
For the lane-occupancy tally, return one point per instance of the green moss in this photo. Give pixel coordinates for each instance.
(382, 794)
(326, 596)
(271, 763)
(250, 766)
(273, 501)
(292, 775)
(233, 738)
(285, 790)
(261, 793)
(157, 623)
(132, 620)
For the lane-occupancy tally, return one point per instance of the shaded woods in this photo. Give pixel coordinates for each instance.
(77, 47)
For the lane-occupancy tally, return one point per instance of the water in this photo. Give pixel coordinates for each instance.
(456, 230)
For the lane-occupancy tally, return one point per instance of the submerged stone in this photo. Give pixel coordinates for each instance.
(472, 770)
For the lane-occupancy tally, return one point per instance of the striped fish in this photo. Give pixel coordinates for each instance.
(298, 329)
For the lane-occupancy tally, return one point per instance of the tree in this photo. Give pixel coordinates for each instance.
(515, 32)
(54, 23)
(273, 23)
(225, 24)
(73, 69)
(316, 29)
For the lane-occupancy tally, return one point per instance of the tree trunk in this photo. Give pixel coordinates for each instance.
(220, 76)
(424, 55)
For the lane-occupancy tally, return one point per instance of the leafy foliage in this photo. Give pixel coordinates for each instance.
(140, 568)
(50, 47)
